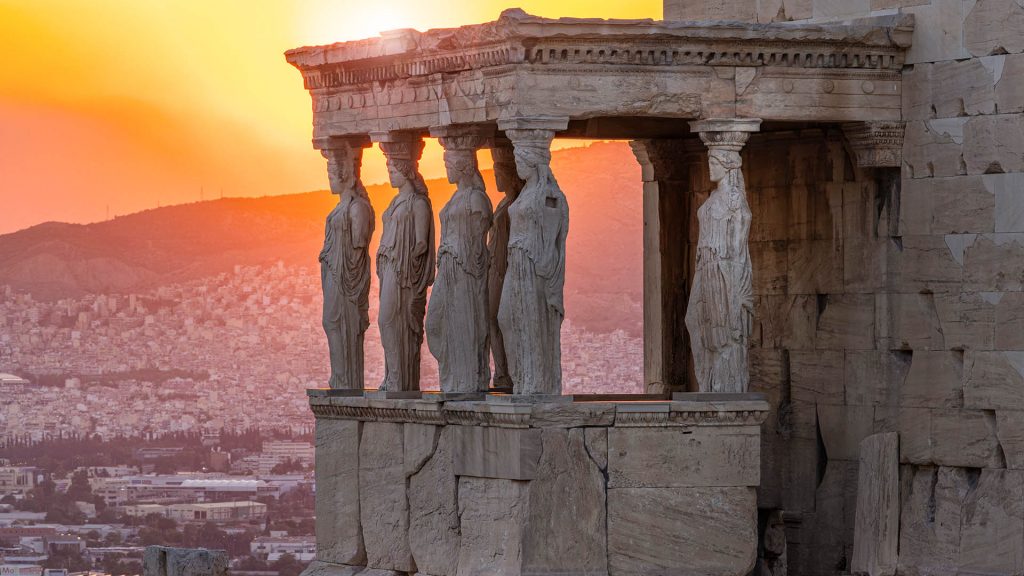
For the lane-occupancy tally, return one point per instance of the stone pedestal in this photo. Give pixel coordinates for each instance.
(459, 488)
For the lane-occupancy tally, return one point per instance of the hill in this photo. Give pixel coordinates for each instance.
(179, 243)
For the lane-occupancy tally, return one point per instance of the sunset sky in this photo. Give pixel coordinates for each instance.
(123, 105)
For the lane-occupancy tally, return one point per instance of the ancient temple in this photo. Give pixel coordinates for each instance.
(833, 275)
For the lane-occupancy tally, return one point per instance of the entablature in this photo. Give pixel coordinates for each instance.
(522, 65)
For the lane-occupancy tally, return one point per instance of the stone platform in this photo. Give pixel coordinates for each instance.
(508, 487)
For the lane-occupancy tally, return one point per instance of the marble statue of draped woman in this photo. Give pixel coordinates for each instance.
(457, 320)
(532, 309)
(510, 185)
(720, 310)
(345, 277)
(405, 268)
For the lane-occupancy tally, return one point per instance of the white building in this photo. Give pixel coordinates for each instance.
(271, 548)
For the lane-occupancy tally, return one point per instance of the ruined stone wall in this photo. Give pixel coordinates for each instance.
(900, 308)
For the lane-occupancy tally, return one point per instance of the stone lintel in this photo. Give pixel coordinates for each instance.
(553, 123)
(876, 144)
(335, 142)
(464, 136)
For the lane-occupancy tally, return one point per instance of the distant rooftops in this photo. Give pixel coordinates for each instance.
(11, 379)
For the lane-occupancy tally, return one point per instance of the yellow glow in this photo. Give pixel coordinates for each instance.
(135, 103)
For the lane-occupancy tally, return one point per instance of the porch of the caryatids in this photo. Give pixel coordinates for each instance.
(405, 262)
(345, 261)
(510, 184)
(457, 322)
(532, 308)
(720, 311)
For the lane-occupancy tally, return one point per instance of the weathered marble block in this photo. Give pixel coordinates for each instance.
(526, 488)
(167, 561)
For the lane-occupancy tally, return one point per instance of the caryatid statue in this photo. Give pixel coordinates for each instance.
(720, 311)
(457, 318)
(510, 184)
(532, 309)
(345, 263)
(405, 263)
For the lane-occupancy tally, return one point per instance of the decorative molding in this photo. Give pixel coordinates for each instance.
(876, 144)
(627, 414)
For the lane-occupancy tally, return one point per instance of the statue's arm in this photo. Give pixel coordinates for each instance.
(362, 225)
(421, 218)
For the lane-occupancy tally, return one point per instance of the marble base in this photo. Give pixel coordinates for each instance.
(528, 485)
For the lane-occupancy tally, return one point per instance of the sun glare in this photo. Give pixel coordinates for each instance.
(333, 22)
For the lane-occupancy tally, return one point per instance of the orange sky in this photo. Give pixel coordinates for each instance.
(128, 104)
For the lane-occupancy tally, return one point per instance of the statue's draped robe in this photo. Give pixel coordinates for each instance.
(721, 296)
(532, 309)
(457, 320)
(404, 278)
(345, 277)
(498, 248)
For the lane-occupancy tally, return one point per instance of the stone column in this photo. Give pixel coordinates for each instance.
(665, 169)
(532, 306)
(720, 311)
(345, 262)
(510, 184)
(405, 262)
(458, 324)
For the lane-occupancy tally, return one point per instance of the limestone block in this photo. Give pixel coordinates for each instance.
(339, 534)
(992, 525)
(597, 446)
(1009, 321)
(511, 453)
(800, 475)
(769, 260)
(933, 148)
(797, 319)
(318, 568)
(680, 457)
(994, 144)
(964, 88)
(841, 8)
(938, 31)
(829, 530)
(741, 10)
(935, 380)
(784, 10)
(814, 267)
(890, 4)
(433, 499)
(567, 496)
(1010, 429)
(964, 438)
(967, 320)
(873, 377)
(1010, 83)
(877, 523)
(958, 205)
(913, 323)
(865, 264)
(931, 505)
(994, 27)
(817, 376)
(383, 504)
(915, 429)
(846, 322)
(994, 263)
(995, 380)
(768, 373)
(572, 414)
(843, 428)
(917, 92)
(1008, 190)
(927, 264)
(493, 515)
(710, 531)
(167, 561)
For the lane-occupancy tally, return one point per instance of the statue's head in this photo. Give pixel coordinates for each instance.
(723, 162)
(461, 165)
(505, 177)
(343, 168)
(401, 171)
(529, 157)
